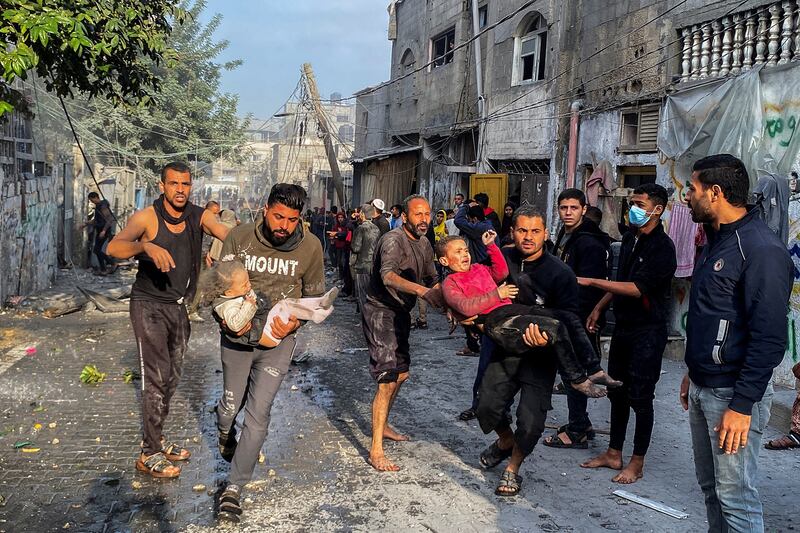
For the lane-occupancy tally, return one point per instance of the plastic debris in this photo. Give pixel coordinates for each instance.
(30, 450)
(22, 443)
(261, 458)
(199, 487)
(55, 441)
(129, 375)
(52, 425)
(136, 485)
(30, 350)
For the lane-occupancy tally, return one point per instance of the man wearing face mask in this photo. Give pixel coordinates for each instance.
(647, 264)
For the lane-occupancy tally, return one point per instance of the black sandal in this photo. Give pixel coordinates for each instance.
(173, 452)
(511, 482)
(494, 455)
(229, 506)
(467, 414)
(577, 440)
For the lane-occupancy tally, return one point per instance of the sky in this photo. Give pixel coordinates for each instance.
(344, 40)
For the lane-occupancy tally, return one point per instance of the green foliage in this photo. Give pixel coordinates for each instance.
(189, 116)
(102, 48)
(91, 375)
(129, 375)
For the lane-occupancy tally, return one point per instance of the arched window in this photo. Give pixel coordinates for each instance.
(407, 62)
(530, 50)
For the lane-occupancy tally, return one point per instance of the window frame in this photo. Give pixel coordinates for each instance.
(639, 145)
(539, 54)
(449, 37)
(483, 16)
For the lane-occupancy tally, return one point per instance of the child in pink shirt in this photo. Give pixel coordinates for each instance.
(471, 290)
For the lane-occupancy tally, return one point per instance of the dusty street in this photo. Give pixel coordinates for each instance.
(314, 477)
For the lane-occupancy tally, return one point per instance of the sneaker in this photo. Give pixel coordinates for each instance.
(195, 317)
(227, 444)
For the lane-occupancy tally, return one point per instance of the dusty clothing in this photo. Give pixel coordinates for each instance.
(236, 311)
(251, 379)
(291, 270)
(386, 317)
(386, 331)
(411, 259)
(474, 292)
(162, 336)
(382, 224)
(362, 248)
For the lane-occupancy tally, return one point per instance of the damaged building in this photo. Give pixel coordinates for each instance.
(522, 99)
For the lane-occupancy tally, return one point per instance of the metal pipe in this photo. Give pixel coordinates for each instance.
(478, 84)
(572, 156)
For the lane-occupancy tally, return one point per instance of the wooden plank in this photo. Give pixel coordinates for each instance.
(63, 304)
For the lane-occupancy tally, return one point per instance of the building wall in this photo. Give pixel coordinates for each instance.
(28, 238)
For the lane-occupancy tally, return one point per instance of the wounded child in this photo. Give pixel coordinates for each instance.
(226, 286)
(471, 289)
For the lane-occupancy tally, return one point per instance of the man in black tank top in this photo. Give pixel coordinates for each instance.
(166, 238)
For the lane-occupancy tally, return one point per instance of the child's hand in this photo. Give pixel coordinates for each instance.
(250, 297)
(507, 291)
(489, 237)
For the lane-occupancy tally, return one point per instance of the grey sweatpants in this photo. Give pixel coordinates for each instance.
(258, 373)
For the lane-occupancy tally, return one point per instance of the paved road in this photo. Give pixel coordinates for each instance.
(314, 477)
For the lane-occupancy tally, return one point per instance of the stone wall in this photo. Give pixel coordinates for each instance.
(28, 236)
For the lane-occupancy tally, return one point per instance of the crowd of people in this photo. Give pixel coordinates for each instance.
(532, 308)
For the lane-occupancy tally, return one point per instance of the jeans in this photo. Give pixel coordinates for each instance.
(487, 349)
(728, 482)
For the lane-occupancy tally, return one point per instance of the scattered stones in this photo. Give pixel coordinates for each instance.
(55, 441)
(294, 388)
(272, 473)
(261, 458)
(136, 485)
(52, 425)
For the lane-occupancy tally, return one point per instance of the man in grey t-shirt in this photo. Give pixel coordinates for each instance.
(403, 270)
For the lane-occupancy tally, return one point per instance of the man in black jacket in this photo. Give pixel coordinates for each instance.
(641, 292)
(483, 200)
(736, 334)
(585, 248)
(542, 279)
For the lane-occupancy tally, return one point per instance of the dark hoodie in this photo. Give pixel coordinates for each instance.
(292, 270)
(492, 217)
(587, 253)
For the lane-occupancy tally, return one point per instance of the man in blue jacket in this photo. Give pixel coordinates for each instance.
(736, 334)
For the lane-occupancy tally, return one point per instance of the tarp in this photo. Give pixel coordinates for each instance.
(753, 116)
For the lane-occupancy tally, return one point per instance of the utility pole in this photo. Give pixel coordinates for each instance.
(326, 134)
(479, 83)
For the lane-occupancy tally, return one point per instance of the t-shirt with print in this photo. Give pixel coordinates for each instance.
(411, 259)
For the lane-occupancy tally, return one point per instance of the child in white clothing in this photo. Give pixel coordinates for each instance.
(227, 286)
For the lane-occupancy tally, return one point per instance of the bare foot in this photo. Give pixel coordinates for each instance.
(382, 464)
(601, 378)
(587, 387)
(607, 459)
(391, 434)
(631, 473)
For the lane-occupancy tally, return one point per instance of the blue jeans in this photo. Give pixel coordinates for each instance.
(727, 481)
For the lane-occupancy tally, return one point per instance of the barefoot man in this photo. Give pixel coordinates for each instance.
(646, 265)
(402, 272)
(167, 240)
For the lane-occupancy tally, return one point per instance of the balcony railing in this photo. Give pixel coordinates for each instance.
(735, 43)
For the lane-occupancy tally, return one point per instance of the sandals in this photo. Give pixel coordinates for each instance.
(787, 442)
(173, 452)
(510, 483)
(577, 440)
(494, 455)
(229, 507)
(467, 414)
(157, 465)
(466, 352)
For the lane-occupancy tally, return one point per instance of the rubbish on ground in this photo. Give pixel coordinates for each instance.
(199, 487)
(136, 485)
(294, 387)
(656, 506)
(22, 443)
(302, 358)
(55, 441)
(30, 350)
(89, 339)
(106, 304)
(261, 458)
(129, 375)
(91, 375)
(352, 350)
(272, 473)
(38, 409)
(30, 450)
(52, 425)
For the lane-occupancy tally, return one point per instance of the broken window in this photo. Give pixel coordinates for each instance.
(408, 61)
(635, 176)
(530, 46)
(639, 130)
(483, 16)
(442, 48)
